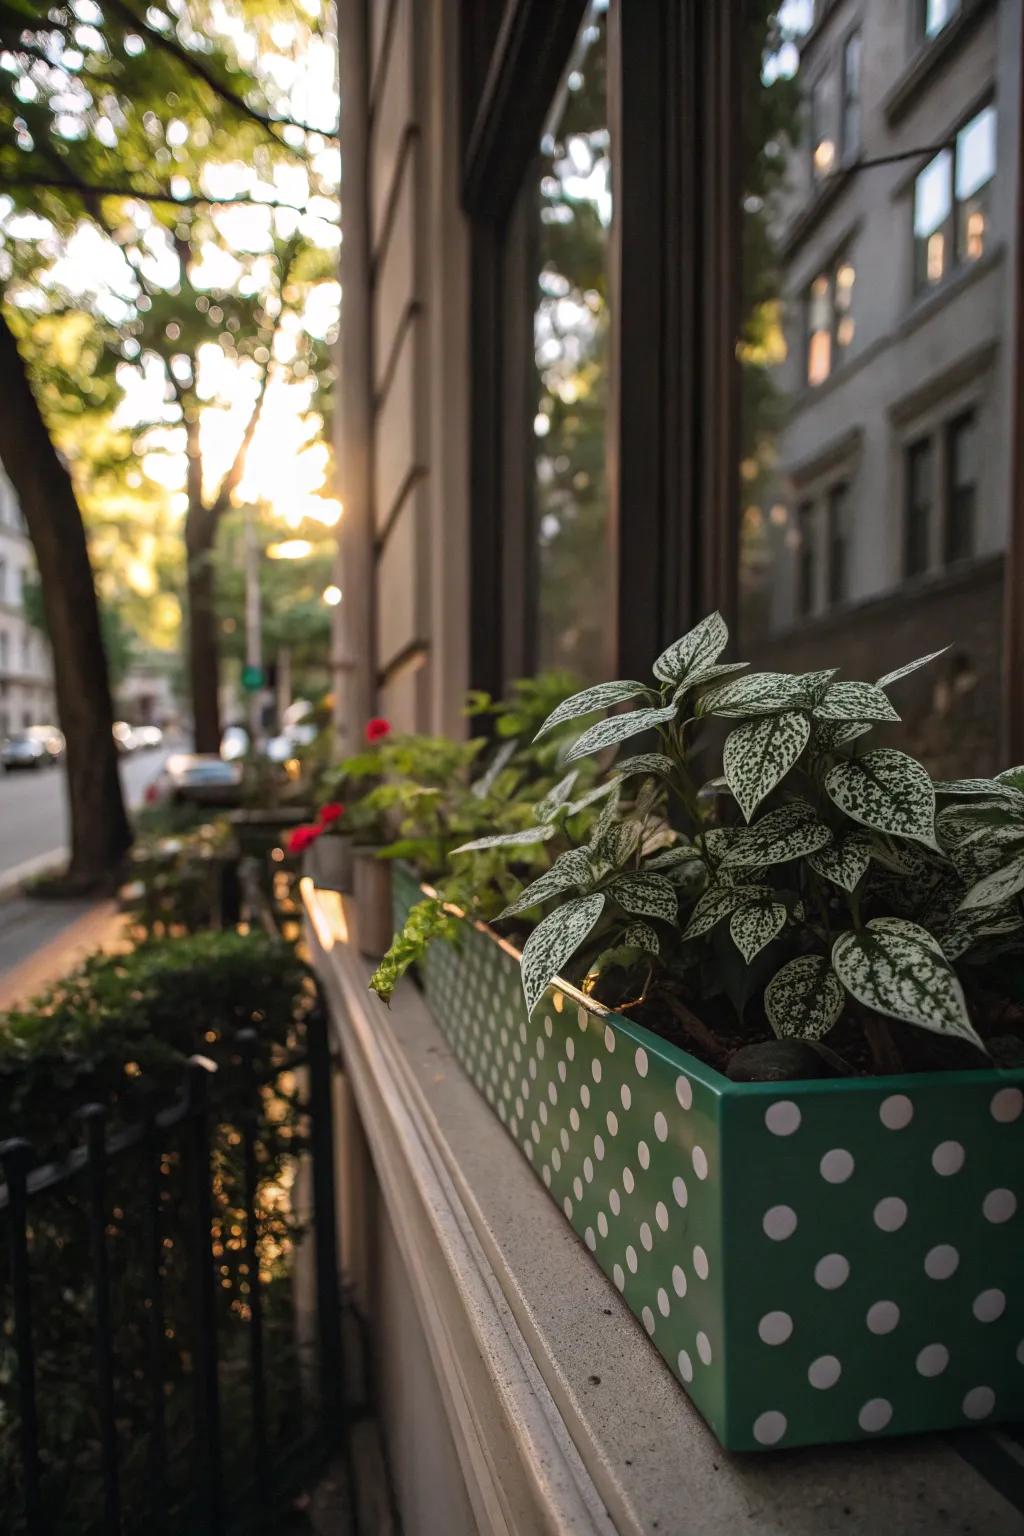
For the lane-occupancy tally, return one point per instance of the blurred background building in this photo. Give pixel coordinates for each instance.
(712, 306)
(26, 681)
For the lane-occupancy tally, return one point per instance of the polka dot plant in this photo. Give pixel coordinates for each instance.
(819, 1261)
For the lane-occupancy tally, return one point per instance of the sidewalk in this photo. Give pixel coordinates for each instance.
(42, 940)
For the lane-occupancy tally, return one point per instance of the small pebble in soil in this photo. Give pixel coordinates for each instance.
(774, 1061)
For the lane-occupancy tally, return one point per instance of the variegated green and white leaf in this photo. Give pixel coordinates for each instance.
(898, 969)
(963, 930)
(987, 787)
(509, 839)
(830, 735)
(854, 701)
(759, 753)
(698, 649)
(708, 675)
(646, 896)
(602, 696)
(644, 762)
(1013, 778)
(668, 858)
(997, 887)
(617, 728)
(910, 666)
(718, 902)
(545, 809)
(762, 693)
(794, 829)
(618, 842)
(844, 862)
(486, 782)
(804, 999)
(556, 940)
(887, 790)
(611, 786)
(570, 871)
(755, 924)
(609, 812)
(640, 936)
(814, 684)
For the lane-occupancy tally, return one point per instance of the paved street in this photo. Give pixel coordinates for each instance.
(33, 818)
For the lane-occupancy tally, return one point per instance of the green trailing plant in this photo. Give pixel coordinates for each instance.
(820, 886)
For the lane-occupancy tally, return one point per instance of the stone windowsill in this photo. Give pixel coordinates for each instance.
(564, 1416)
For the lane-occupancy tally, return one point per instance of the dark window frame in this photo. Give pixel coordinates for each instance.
(672, 472)
(916, 515)
(850, 146)
(964, 420)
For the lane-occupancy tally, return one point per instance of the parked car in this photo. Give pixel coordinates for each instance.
(38, 746)
(200, 777)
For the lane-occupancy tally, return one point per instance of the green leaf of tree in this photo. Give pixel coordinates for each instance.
(996, 887)
(910, 666)
(646, 896)
(509, 839)
(844, 862)
(570, 869)
(763, 693)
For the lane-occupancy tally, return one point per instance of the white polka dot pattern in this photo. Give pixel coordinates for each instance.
(856, 1225)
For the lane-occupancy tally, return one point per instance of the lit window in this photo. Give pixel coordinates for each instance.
(952, 197)
(933, 202)
(823, 144)
(975, 168)
(830, 324)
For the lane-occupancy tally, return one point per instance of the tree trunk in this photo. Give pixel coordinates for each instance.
(203, 640)
(100, 834)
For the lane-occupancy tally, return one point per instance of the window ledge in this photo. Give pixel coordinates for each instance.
(931, 300)
(930, 57)
(564, 1417)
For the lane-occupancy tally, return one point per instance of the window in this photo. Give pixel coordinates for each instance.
(829, 320)
(823, 144)
(3, 581)
(569, 387)
(975, 169)
(918, 510)
(838, 506)
(5, 651)
(805, 558)
(851, 97)
(951, 202)
(933, 15)
(962, 487)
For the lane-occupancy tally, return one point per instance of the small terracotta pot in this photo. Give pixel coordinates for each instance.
(328, 862)
(374, 921)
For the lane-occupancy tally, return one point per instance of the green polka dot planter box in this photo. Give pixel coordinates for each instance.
(816, 1261)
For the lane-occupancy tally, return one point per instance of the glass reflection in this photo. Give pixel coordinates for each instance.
(571, 336)
(875, 464)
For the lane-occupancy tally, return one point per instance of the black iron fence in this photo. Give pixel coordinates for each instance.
(172, 1350)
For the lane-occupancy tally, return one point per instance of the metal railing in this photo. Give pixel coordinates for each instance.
(214, 1108)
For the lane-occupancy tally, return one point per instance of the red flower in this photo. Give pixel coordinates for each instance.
(301, 838)
(377, 729)
(330, 813)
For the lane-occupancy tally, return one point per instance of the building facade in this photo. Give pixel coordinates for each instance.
(26, 677)
(650, 307)
(879, 487)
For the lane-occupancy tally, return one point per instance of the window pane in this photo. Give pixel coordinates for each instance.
(918, 514)
(961, 451)
(823, 143)
(571, 333)
(876, 503)
(937, 13)
(975, 168)
(932, 207)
